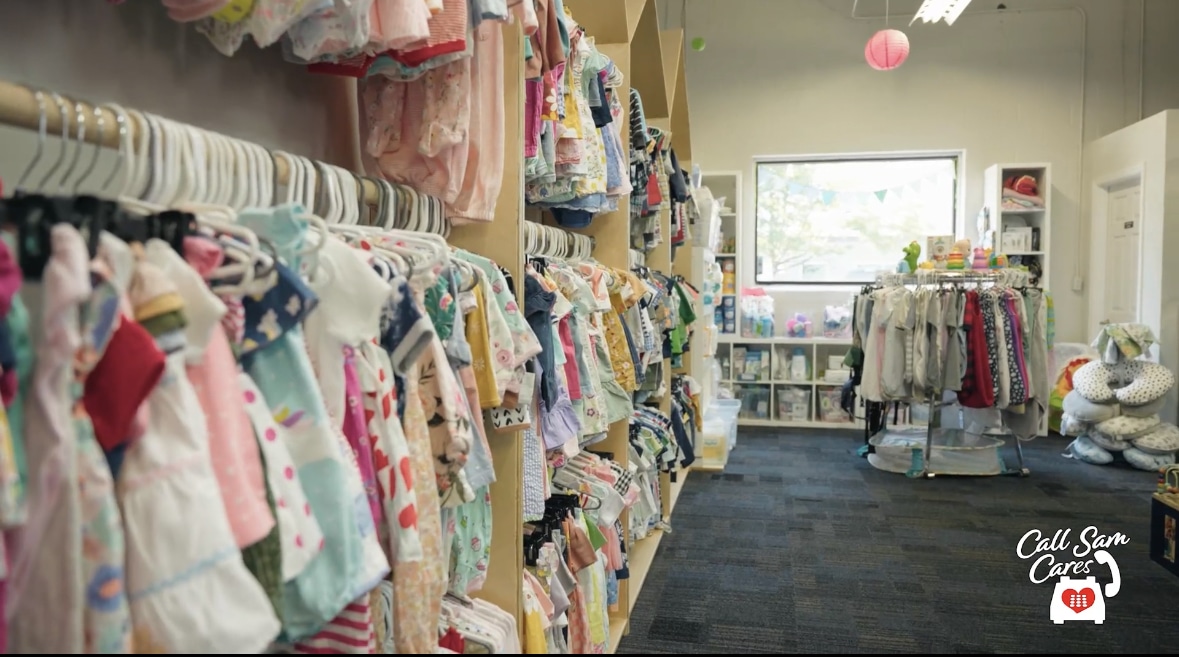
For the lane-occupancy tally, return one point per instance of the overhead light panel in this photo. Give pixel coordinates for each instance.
(932, 11)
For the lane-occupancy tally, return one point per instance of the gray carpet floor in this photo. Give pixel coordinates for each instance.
(802, 546)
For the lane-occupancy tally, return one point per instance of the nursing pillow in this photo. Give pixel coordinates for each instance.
(1109, 443)
(1164, 439)
(1133, 382)
(1083, 449)
(1143, 461)
(1086, 411)
(1071, 426)
(1149, 408)
(1125, 426)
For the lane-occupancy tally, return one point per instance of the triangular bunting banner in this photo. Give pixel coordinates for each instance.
(829, 196)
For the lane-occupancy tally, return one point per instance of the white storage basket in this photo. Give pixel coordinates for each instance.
(955, 452)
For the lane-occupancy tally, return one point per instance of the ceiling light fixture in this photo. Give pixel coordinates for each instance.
(932, 11)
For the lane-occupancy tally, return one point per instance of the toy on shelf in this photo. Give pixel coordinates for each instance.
(798, 326)
(937, 247)
(908, 264)
(958, 258)
(837, 322)
(980, 259)
(998, 261)
(1113, 408)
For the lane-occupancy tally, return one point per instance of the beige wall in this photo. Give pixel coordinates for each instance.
(132, 54)
(1033, 83)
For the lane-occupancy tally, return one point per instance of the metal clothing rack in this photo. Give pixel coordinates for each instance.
(1014, 278)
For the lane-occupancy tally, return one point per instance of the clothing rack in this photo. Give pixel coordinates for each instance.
(1014, 278)
(1009, 277)
(50, 113)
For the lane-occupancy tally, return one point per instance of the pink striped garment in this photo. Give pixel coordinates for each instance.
(349, 633)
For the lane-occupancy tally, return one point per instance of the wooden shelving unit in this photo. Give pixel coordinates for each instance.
(651, 61)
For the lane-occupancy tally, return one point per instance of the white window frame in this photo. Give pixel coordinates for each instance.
(820, 286)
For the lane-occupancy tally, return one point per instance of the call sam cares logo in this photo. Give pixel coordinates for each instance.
(1077, 596)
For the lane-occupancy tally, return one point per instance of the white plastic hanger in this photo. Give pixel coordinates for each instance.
(205, 181)
(63, 114)
(355, 231)
(318, 234)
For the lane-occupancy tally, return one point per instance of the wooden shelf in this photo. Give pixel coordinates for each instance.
(652, 61)
(502, 240)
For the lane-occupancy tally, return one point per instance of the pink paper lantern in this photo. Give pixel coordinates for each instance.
(887, 49)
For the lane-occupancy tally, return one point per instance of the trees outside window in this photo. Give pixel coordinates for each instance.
(843, 221)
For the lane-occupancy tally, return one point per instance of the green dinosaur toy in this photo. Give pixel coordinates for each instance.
(912, 252)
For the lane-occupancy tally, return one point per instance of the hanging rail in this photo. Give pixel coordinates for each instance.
(20, 108)
(1013, 277)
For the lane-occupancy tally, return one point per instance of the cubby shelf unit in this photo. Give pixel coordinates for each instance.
(794, 397)
(1009, 218)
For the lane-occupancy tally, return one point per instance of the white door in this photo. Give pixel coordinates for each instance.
(1123, 253)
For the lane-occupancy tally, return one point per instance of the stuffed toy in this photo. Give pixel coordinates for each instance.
(980, 259)
(912, 253)
(1112, 410)
(798, 326)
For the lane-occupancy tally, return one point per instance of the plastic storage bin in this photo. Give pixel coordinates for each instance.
(719, 434)
(794, 404)
(829, 408)
(727, 410)
(714, 445)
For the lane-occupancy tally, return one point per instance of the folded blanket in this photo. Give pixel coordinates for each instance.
(1118, 342)
(1012, 195)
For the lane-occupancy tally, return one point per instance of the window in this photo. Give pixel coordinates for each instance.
(843, 221)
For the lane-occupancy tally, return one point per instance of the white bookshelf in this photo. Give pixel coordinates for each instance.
(777, 395)
(1000, 219)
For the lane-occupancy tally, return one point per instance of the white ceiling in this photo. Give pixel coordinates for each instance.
(903, 8)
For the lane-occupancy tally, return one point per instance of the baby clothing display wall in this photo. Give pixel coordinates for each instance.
(309, 391)
(335, 382)
(309, 474)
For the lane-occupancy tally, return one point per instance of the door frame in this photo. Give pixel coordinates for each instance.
(1098, 221)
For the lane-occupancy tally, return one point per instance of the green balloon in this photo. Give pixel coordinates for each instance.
(698, 44)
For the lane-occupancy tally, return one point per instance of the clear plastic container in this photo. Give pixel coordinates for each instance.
(725, 412)
(715, 443)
